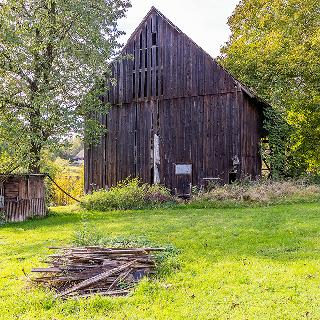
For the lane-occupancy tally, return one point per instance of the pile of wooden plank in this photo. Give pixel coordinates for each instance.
(96, 270)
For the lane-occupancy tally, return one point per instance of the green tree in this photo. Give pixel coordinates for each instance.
(70, 149)
(275, 49)
(11, 150)
(52, 53)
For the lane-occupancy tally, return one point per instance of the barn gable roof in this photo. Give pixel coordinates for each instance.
(242, 87)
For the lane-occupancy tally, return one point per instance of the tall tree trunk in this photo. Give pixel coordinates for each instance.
(35, 157)
(36, 140)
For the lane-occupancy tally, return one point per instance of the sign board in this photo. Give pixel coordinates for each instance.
(183, 169)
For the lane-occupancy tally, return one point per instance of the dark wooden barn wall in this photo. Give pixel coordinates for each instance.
(174, 89)
(206, 131)
(251, 132)
(171, 67)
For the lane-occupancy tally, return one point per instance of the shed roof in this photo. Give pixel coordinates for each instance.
(4, 177)
(22, 175)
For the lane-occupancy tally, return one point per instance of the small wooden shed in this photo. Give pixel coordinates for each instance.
(22, 196)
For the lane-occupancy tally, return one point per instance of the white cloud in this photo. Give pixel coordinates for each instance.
(204, 21)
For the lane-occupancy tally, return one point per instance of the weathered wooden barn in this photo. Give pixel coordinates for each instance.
(177, 117)
(22, 197)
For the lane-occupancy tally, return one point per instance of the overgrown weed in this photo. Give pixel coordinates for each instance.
(266, 192)
(129, 194)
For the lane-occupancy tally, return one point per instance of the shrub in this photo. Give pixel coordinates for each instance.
(259, 192)
(87, 235)
(126, 195)
(131, 194)
(71, 179)
(313, 178)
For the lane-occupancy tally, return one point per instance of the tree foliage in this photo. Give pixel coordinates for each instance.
(70, 149)
(52, 54)
(275, 49)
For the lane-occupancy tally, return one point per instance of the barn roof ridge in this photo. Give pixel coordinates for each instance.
(250, 92)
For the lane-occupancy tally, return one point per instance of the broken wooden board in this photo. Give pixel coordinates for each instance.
(86, 271)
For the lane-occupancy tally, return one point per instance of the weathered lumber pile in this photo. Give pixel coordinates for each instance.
(96, 270)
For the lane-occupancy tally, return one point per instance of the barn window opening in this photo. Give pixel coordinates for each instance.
(151, 82)
(157, 83)
(146, 58)
(161, 85)
(158, 117)
(146, 36)
(154, 38)
(140, 59)
(157, 56)
(139, 92)
(145, 84)
(134, 85)
(152, 127)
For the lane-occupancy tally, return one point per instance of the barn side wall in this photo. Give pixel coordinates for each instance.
(251, 132)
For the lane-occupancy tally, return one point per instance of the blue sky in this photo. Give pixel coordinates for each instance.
(205, 21)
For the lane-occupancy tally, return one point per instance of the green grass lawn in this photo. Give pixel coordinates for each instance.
(244, 263)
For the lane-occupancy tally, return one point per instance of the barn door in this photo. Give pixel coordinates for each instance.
(183, 180)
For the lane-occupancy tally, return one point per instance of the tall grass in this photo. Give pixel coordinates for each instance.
(258, 192)
(127, 195)
(131, 194)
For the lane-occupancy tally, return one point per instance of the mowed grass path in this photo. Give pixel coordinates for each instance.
(244, 263)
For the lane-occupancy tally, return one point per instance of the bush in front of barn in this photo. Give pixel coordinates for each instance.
(129, 194)
(257, 192)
